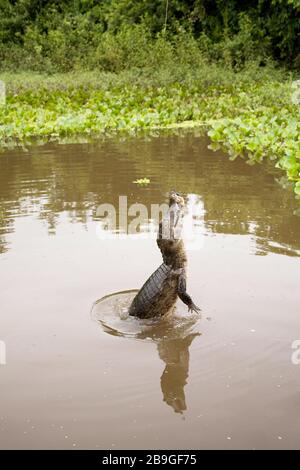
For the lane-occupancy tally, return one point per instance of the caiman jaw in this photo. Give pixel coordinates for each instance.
(175, 197)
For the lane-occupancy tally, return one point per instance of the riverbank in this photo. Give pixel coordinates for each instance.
(254, 114)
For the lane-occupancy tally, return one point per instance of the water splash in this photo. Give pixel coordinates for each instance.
(112, 313)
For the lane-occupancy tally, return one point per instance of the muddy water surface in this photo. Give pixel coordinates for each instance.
(226, 380)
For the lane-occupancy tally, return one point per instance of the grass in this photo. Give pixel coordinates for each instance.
(249, 114)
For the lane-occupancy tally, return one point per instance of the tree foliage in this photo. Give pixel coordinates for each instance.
(228, 30)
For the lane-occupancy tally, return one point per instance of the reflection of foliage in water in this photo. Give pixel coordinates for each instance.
(74, 179)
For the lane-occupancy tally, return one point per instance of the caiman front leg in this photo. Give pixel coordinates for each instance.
(184, 296)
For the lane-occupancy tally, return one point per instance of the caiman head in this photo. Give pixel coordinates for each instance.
(169, 235)
(176, 198)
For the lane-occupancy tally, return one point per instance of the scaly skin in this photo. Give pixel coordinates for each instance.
(158, 295)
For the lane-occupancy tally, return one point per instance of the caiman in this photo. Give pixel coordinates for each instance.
(159, 294)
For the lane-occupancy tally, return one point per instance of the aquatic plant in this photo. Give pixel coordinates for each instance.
(142, 181)
(250, 114)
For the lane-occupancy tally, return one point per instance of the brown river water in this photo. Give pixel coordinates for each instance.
(83, 378)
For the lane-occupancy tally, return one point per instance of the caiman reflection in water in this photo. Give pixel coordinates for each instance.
(174, 352)
(172, 335)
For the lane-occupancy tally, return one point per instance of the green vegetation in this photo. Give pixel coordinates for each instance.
(113, 35)
(85, 67)
(249, 114)
(142, 181)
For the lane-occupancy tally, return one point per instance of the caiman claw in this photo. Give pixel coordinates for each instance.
(194, 308)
